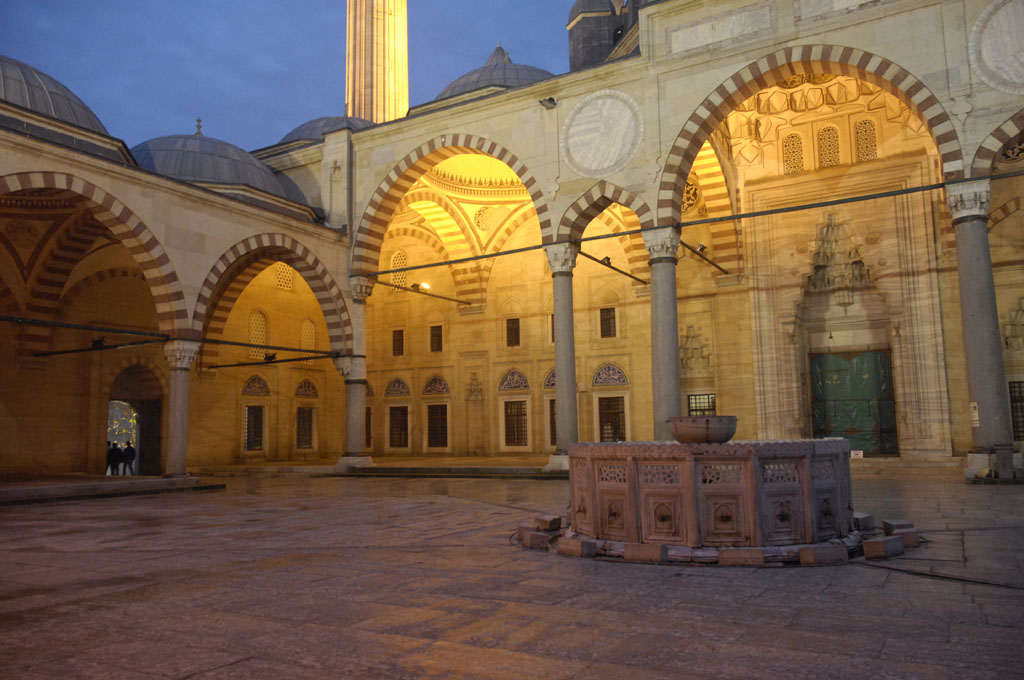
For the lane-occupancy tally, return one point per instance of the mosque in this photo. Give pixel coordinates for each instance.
(805, 213)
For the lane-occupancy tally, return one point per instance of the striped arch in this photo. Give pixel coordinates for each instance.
(725, 236)
(111, 375)
(148, 253)
(1003, 211)
(239, 266)
(618, 220)
(789, 61)
(465, 275)
(987, 154)
(8, 302)
(593, 203)
(385, 200)
(97, 278)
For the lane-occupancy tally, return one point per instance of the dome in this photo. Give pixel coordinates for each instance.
(590, 6)
(31, 89)
(499, 71)
(316, 129)
(195, 158)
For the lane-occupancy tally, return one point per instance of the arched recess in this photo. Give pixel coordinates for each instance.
(142, 245)
(620, 220)
(239, 266)
(142, 384)
(498, 241)
(591, 204)
(389, 194)
(782, 64)
(96, 278)
(988, 152)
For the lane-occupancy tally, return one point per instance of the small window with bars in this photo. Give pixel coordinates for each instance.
(257, 334)
(828, 147)
(307, 337)
(437, 426)
(1017, 409)
(515, 423)
(792, 154)
(398, 426)
(368, 427)
(397, 343)
(607, 322)
(552, 412)
(552, 328)
(611, 418)
(398, 261)
(254, 428)
(512, 332)
(284, 275)
(436, 339)
(304, 427)
(867, 140)
(701, 404)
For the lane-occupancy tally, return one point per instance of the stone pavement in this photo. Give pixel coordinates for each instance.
(386, 578)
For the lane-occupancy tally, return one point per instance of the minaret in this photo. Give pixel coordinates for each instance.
(377, 60)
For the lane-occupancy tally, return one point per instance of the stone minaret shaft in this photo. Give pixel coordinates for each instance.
(377, 60)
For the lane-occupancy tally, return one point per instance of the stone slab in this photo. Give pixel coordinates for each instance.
(909, 536)
(575, 547)
(883, 548)
(741, 557)
(891, 525)
(537, 540)
(645, 552)
(548, 523)
(863, 521)
(824, 554)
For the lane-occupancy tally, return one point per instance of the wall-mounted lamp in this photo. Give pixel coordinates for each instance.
(701, 247)
(548, 103)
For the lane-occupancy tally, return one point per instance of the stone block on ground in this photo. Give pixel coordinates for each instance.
(862, 521)
(522, 530)
(678, 553)
(575, 547)
(741, 557)
(824, 554)
(548, 523)
(909, 536)
(891, 525)
(883, 548)
(537, 540)
(645, 552)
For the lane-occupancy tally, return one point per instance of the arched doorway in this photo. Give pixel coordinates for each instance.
(139, 388)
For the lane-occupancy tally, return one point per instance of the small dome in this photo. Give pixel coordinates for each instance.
(588, 6)
(31, 89)
(195, 158)
(499, 71)
(316, 129)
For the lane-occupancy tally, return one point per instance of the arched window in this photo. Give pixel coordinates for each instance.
(399, 260)
(307, 337)
(257, 334)
(307, 390)
(284, 274)
(256, 386)
(609, 375)
(436, 385)
(397, 388)
(867, 140)
(828, 147)
(792, 154)
(513, 380)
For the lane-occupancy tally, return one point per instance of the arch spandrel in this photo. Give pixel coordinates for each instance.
(247, 258)
(385, 201)
(785, 63)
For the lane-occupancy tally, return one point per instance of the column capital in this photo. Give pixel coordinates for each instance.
(181, 353)
(562, 256)
(361, 287)
(968, 199)
(344, 366)
(661, 241)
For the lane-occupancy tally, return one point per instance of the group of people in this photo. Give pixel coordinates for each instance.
(120, 461)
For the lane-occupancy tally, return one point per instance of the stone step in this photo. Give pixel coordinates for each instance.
(482, 472)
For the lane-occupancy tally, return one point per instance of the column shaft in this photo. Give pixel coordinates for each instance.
(180, 354)
(566, 414)
(664, 346)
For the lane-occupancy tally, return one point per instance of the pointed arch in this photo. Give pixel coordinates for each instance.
(386, 199)
(95, 279)
(796, 60)
(243, 262)
(125, 225)
(594, 202)
(1002, 212)
(987, 154)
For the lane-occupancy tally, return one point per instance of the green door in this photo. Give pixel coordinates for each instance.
(852, 397)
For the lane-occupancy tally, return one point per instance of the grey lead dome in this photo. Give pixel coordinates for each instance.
(499, 71)
(316, 129)
(30, 88)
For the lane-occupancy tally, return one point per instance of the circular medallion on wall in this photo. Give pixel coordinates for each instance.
(994, 46)
(602, 133)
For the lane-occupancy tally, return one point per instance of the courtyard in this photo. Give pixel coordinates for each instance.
(417, 578)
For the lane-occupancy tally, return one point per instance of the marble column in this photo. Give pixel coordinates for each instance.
(180, 355)
(663, 244)
(562, 259)
(354, 370)
(983, 345)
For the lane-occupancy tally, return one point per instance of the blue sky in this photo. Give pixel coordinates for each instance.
(253, 69)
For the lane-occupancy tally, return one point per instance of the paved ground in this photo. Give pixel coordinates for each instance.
(381, 578)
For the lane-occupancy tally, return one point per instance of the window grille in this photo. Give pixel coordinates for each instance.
(701, 404)
(828, 147)
(368, 427)
(398, 437)
(257, 334)
(552, 328)
(399, 260)
(307, 337)
(437, 426)
(304, 427)
(1017, 409)
(607, 322)
(512, 332)
(867, 140)
(792, 154)
(611, 418)
(397, 343)
(436, 339)
(283, 274)
(253, 428)
(515, 423)
(551, 422)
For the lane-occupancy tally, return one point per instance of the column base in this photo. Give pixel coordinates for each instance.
(995, 463)
(346, 463)
(557, 462)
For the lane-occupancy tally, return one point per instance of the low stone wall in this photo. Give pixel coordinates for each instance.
(757, 493)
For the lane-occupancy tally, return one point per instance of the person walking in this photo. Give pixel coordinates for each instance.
(113, 460)
(128, 455)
